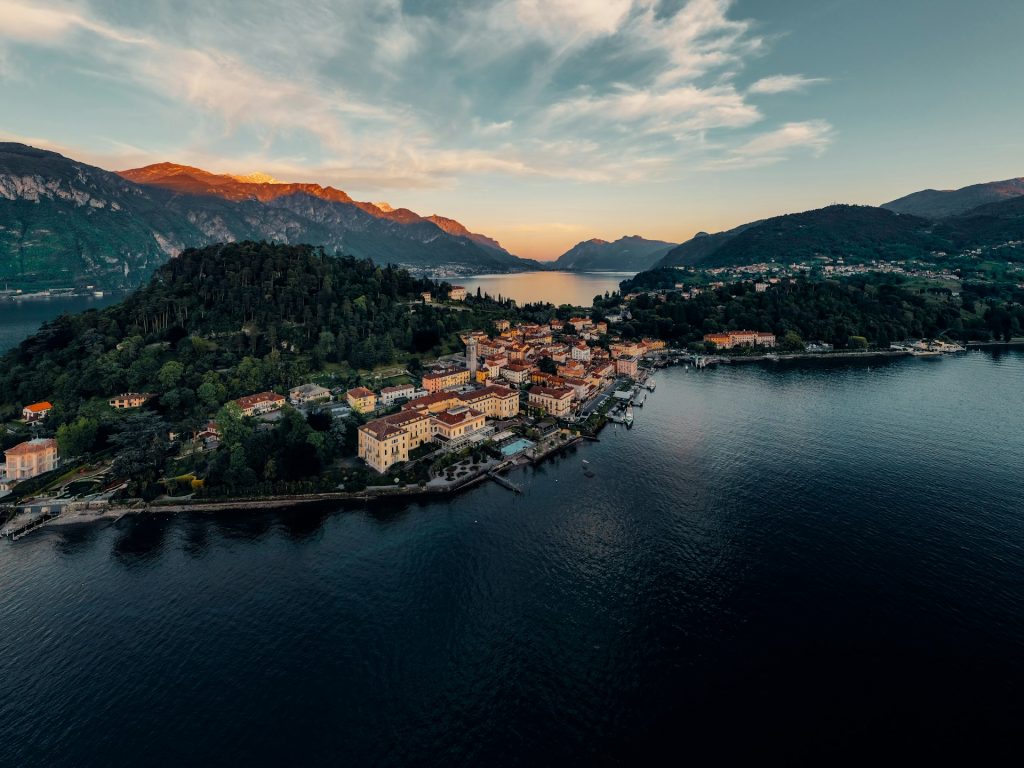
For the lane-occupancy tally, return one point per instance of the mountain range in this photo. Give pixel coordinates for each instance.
(861, 233)
(940, 203)
(627, 254)
(67, 223)
(63, 222)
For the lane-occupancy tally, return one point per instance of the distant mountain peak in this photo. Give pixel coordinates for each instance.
(631, 253)
(91, 226)
(256, 178)
(385, 207)
(940, 203)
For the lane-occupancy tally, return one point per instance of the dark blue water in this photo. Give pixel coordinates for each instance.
(19, 319)
(806, 562)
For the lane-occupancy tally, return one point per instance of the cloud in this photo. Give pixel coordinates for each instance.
(403, 93)
(784, 83)
(810, 136)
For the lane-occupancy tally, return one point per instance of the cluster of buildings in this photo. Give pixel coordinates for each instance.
(455, 403)
(731, 339)
(450, 419)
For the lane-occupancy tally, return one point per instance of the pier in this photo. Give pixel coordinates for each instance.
(504, 482)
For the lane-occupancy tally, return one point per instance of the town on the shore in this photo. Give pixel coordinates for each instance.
(520, 392)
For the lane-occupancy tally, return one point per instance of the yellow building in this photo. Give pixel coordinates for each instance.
(416, 424)
(31, 458)
(458, 293)
(433, 403)
(456, 423)
(493, 401)
(730, 339)
(557, 401)
(387, 441)
(382, 445)
(652, 345)
(361, 400)
(129, 400)
(438, 380)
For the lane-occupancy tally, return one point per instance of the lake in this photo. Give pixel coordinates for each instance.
(808, 562)
(577, 288)
(20, 319)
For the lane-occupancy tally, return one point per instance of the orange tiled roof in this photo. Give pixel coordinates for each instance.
(38, 407)
(32, 446)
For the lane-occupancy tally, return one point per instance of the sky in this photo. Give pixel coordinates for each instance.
(538, 123)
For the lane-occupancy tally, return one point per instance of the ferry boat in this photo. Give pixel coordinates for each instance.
(651, 384)
(628, 418)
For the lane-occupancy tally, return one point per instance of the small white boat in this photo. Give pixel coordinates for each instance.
(651, 384)
(628, 418)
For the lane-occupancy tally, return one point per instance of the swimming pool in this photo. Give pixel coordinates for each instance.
(516, 446)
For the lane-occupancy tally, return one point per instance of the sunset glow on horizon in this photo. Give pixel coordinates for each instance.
(540, 124)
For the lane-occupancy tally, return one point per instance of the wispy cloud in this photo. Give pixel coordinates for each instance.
(811, 137)
(784, 83)
(383, 95)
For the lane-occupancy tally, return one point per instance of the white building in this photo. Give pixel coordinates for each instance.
(308, 393)
(391, 395)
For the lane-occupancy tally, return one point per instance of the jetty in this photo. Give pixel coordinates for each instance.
(504, 482)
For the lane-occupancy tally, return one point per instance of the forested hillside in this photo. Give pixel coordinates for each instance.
(871, 310)
(225, 321)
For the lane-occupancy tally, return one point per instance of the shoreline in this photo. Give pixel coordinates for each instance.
(115, 512)
(371, 494)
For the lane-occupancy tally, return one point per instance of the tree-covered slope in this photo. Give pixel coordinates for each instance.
(627, 254)
(856, 233)
(940, 203)
(240, 317)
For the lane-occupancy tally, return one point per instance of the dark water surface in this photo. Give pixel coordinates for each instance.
(19, 319)
(808, 561)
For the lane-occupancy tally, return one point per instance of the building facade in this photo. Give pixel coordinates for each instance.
(730, 339)
(627, 366)
(438, 380)
(129, 400)
(36, 411)
(557, 401)
(308, 393)
(31, 458)
(391, 395)
(456, 423)
(382, 445)
(264, 402)
(493, 401)
(361, 400)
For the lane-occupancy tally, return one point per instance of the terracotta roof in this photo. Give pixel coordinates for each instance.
(262, 397)
(398, 388)
(443, 374)
(428, 400)
(492, 390)
(380, 429)
(32, 446)
(556, 392)
(457, 417)
(359, 392)
(402, 418)
(37, 407)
